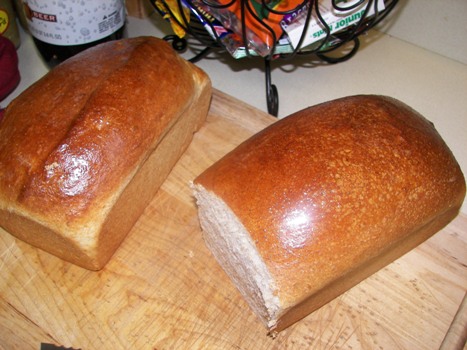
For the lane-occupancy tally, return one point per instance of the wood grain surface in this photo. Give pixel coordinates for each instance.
(163, 290)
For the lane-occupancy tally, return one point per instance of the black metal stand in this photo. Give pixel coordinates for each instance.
(272, 95)
(211, 40)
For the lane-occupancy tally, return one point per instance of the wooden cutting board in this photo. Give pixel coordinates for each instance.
(163, 290)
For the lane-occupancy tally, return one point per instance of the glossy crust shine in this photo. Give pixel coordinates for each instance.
(73, 144)
(336, 191)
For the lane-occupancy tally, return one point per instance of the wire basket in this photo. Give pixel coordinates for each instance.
(273, 29)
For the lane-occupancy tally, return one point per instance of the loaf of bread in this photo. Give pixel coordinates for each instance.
(320, 200)
(85, 148)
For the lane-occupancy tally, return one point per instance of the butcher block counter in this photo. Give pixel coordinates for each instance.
(163, 290)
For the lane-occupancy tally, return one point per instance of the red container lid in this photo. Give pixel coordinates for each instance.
(9, 73)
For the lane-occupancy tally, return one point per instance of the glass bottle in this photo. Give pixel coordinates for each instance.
(63, 28)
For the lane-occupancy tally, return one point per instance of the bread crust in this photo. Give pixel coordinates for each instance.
(337, 190)
(74, 142)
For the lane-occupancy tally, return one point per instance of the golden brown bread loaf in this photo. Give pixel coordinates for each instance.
(315, 203)
(84, 149)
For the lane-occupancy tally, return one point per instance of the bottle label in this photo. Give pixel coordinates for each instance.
(4, 21)
(66, 23)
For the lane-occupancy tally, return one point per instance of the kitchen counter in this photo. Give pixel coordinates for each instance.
(434, 85)
(144, 298)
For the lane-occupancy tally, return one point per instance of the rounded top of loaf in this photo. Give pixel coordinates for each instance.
(333, 184)
(71, 142)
